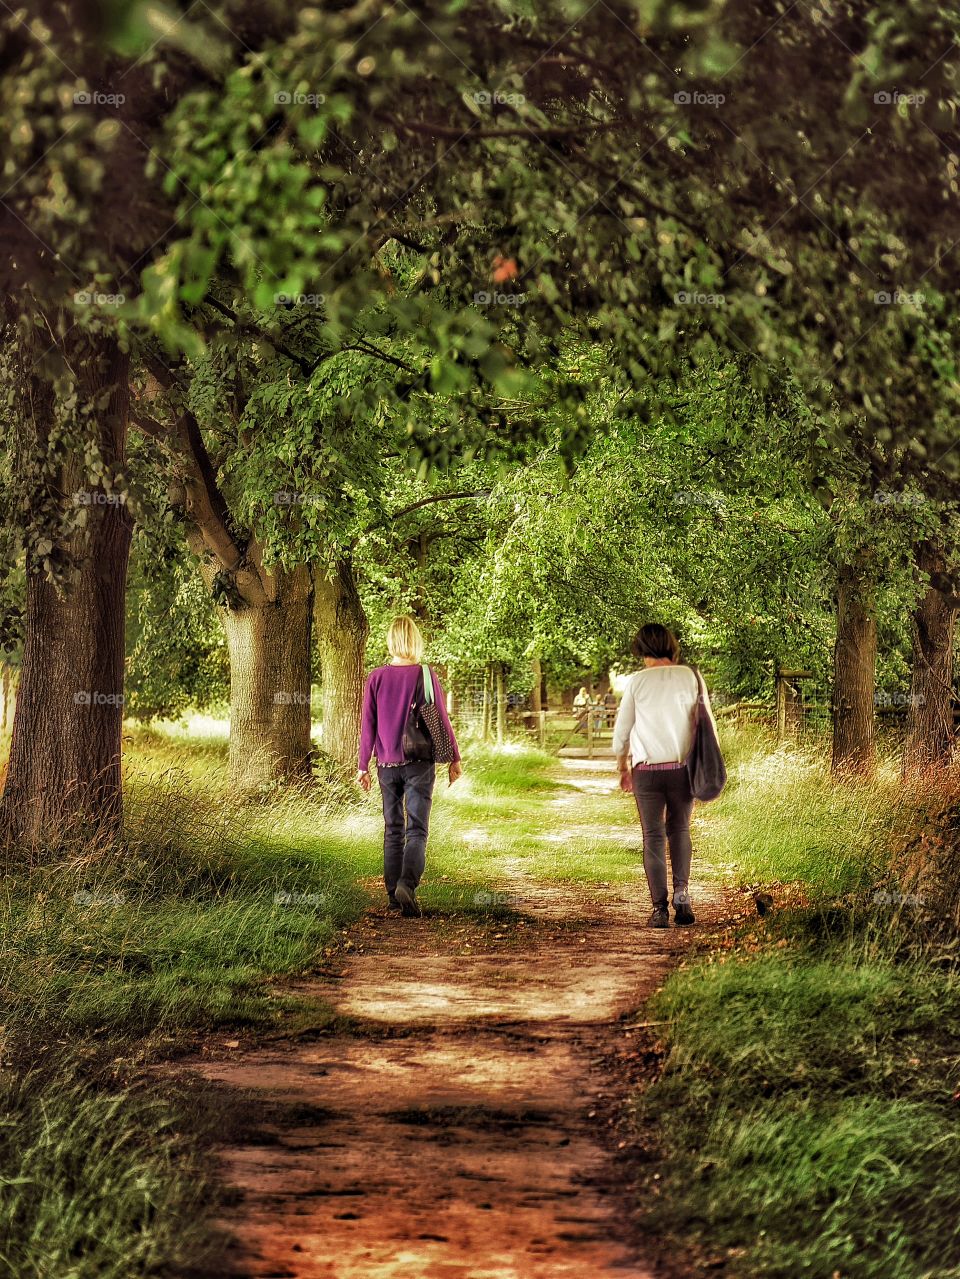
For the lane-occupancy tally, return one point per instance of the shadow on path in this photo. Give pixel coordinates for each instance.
(462, 1130)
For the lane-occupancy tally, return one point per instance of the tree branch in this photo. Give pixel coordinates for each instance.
(429, 501)
(206, 506)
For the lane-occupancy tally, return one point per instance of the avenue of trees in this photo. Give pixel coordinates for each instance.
(311, 315)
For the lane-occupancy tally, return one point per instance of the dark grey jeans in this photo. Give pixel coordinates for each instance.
(407, 791)
(666, 805)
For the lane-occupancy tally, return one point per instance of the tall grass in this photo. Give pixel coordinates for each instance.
(99, 1182)
(783, 818)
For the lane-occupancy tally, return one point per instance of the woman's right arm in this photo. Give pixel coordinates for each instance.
(368, 732)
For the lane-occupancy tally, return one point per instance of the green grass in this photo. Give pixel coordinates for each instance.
(806, 1112)
(783, 819)
(100, 1183)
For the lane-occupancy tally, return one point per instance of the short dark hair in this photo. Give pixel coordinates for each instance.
(654, 640)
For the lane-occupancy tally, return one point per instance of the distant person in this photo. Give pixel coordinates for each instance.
(406, 785)
(651, 740)
(610, 707)
(581, 708)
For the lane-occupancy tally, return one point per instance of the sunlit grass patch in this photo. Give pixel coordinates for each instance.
(784, 818)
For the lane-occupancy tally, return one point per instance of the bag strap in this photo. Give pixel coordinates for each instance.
(427, 685)
(701, 692)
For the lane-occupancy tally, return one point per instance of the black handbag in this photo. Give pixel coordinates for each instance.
(425, 737)
(705, 766)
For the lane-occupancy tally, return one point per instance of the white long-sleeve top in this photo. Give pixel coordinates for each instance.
(657, 715)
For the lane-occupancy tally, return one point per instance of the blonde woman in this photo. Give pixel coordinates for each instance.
(406, 785)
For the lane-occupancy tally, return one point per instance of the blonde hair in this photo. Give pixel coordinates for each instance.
(404, 640)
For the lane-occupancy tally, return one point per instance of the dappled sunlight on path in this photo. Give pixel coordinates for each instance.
(462, 1124)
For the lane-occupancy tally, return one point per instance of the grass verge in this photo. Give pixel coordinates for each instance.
(806, 1120)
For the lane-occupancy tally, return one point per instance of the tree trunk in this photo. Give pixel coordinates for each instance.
(501, 708)
(63, 776)
(342, 631)
(536, 692)
(269, 647)
(485, 705)
(854, 674)
(929, 741)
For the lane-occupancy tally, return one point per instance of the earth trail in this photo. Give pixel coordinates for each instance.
(463, 1125)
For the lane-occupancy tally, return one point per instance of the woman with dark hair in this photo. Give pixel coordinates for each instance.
(651, 740)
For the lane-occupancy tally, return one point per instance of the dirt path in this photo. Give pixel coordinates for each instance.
(464, 1126)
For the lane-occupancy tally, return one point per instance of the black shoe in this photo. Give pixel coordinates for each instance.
(392, 903)
(408, 902)
(682, 914)
(660, 918)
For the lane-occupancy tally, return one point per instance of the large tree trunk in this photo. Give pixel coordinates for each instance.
(270, 660)
(929, 741)
(63, 777)
(854, 674)
(342, 630)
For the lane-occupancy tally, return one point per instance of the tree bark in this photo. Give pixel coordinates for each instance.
(536, 695)
(269, 646)
(854, 674)
(342, 630)
(501, 708)
(929, 740)
(63, 776)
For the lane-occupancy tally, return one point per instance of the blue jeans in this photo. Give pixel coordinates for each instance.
(407, 791)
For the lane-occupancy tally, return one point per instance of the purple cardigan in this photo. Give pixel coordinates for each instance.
(387, 698)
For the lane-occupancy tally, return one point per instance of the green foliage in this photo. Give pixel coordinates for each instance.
(176, 651)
